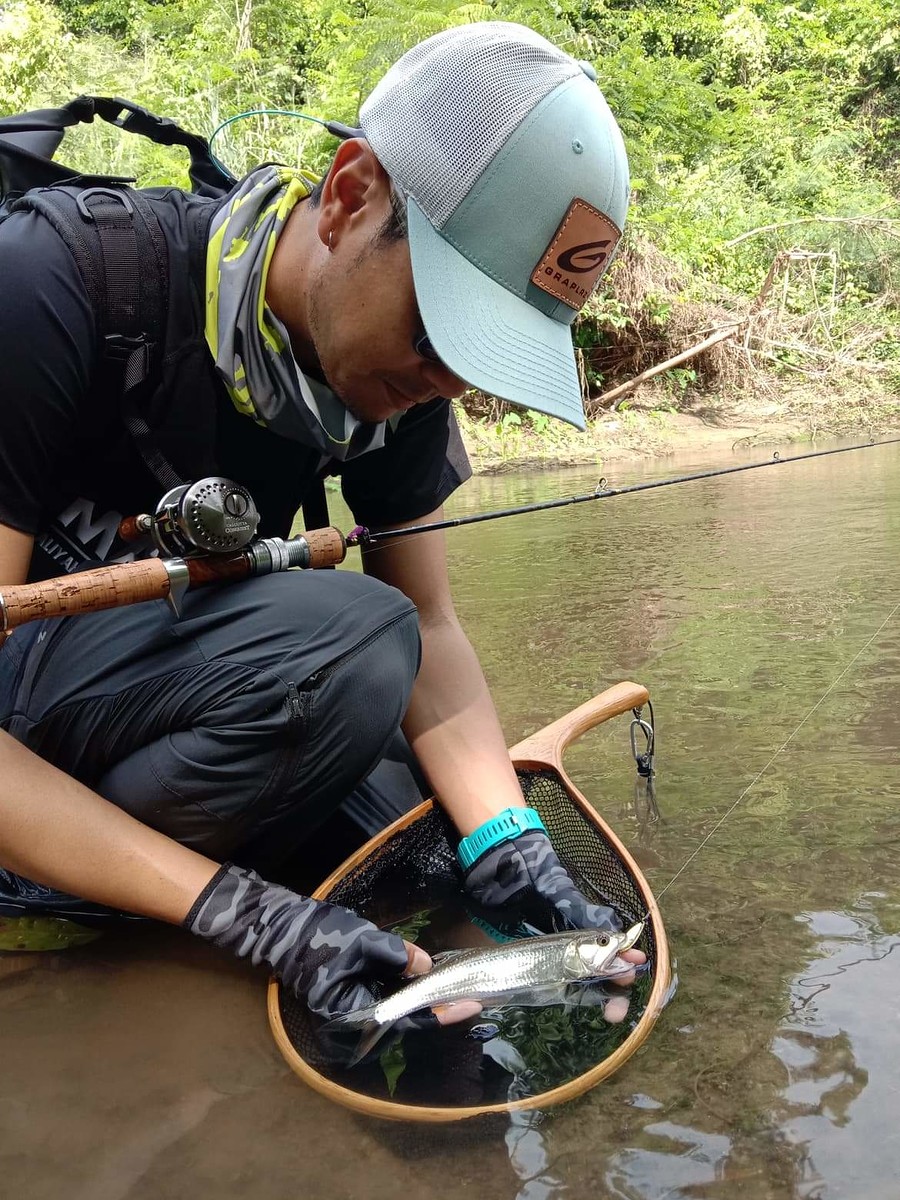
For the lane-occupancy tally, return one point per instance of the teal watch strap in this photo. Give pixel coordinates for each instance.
(502, 828)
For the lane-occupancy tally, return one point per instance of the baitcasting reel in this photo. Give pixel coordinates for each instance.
(205, 533)
(212, 516)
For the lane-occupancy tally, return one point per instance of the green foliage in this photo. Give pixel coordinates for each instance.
(393, 1063)
(37, 934)
(680, 378)
(31, 45)
(509, 422)
(736, 115)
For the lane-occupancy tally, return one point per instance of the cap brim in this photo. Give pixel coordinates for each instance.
(490, 338)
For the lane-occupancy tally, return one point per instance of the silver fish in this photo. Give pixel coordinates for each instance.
(527, 971)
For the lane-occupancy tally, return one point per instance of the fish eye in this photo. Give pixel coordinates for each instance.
(603, 939)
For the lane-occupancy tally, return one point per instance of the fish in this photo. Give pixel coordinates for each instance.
(527, 971)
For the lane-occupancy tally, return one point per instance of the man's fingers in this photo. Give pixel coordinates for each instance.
(629, 956)
(417, 961)
(459, 1010)
(616, 1010)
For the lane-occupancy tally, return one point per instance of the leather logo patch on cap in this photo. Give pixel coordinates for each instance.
(575, 259)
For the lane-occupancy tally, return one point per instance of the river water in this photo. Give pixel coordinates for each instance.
(760, 610)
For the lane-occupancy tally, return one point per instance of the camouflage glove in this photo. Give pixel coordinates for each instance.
(526, 873)
(324, 953)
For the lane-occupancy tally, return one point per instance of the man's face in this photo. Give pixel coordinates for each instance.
(364, 321)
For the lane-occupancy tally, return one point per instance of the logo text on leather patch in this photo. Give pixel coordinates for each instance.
(578, 254)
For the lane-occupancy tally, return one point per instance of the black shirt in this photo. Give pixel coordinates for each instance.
(68, 468)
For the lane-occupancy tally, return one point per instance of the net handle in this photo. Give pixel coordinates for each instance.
(549, 744)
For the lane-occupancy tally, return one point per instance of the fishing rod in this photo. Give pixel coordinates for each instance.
(361, 536)
(205, 533)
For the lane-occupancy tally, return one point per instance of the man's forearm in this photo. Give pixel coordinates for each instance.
(55, 831)
(453, 728)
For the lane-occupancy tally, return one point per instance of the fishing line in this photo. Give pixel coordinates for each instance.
(780, 749)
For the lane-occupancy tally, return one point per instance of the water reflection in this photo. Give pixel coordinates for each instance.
(677, 1158)
(840, 1102)
(832, 1121)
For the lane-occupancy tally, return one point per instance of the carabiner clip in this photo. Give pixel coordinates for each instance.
(644, 759)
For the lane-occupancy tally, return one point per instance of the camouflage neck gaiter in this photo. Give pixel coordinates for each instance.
(250, 346)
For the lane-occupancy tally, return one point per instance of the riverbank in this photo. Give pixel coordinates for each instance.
(654, 427)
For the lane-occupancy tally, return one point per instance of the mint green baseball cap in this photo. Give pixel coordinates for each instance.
(516, 182)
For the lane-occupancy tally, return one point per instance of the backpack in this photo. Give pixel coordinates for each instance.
(111, 232)
(113, 225)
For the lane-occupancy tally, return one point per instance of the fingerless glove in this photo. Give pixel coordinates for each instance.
(326, 955)
(527, 869)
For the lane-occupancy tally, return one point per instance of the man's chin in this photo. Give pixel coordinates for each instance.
(358, 409)
(372, 414)
(377, 403)
(364, 417)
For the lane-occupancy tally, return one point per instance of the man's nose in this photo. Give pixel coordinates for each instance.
(444, 382)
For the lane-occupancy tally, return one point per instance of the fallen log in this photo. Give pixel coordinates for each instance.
(608, 399)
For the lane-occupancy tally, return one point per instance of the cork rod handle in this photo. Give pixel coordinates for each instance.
(327, 547)
(87, 591)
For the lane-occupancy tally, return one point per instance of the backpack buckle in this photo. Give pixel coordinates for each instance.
(119, 348)
(110, 193)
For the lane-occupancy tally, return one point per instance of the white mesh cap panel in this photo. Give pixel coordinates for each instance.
(441, 114)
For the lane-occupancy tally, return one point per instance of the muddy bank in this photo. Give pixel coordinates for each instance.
(657, 428)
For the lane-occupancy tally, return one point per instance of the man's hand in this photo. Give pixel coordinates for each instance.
(326, 955)
(525, 870)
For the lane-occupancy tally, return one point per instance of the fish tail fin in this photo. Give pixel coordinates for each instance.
(370, 1035)
(369, 1029)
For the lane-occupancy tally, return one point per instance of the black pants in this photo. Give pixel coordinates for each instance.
(236, 729)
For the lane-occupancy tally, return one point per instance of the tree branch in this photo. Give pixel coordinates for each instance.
(726, 331)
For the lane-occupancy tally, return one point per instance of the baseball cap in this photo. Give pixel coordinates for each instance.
(516, 181)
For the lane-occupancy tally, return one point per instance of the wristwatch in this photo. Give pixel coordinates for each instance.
(502, 828)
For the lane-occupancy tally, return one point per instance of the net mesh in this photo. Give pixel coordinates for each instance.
(442, 112)
(416, 869)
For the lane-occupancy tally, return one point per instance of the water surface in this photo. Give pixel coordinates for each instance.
(760, 611)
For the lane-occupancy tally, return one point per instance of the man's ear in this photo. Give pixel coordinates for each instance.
(356, 189)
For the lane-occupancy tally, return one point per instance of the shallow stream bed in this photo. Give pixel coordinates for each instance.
(760, 610)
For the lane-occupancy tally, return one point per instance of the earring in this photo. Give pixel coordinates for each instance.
(330, 241)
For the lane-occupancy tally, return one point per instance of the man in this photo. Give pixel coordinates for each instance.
(452, 242)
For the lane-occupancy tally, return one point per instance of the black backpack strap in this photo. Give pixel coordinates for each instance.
(121, 254)
(112, 233)
(315, 506)
(29, 140)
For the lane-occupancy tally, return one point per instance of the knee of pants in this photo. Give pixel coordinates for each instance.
(273, 746)
(357, 703)
(352, 713)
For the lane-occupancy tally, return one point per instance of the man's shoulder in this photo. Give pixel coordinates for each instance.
(31, 245)
(183, 216)
(27, 237)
